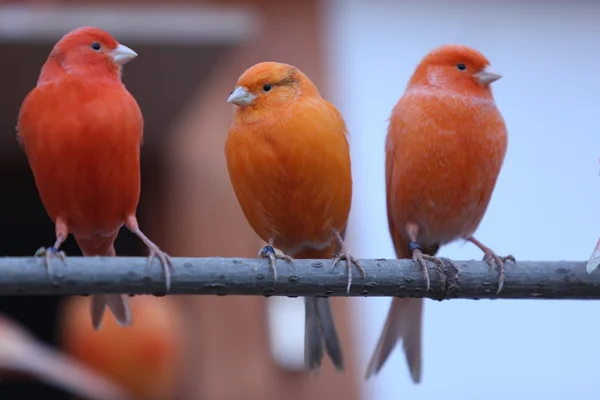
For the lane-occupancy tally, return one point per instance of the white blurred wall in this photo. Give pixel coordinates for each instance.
(545, 206)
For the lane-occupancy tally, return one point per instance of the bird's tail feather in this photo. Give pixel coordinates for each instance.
(404, 323)
(116, 303)
(320, 332)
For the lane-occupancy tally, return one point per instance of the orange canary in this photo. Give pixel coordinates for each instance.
(445, 147)
(82, 131)
(288, 159)
(144, 359)
(21, 353)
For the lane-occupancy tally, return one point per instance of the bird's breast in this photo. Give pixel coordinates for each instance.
(294, 187)
(446, 161)
(85, 159)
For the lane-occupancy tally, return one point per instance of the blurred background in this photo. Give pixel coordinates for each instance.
(360, 53)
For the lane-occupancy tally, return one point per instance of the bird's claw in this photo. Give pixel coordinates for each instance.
(345, 254)
(419, 257)
(493, 260)
(272, 254)
(48, 253)
(165, 261)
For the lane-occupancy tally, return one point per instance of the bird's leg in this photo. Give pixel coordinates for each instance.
(62, 232)
(155, 252)
(344, 254)
(412, 231)
(273, 254)
(492, 259)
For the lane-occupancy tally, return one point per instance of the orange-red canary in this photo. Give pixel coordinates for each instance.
(21, 353)
(445, 147)
(144, 359)
(289, 163)
(82, 131)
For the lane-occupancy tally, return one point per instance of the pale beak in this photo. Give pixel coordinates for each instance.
(241, 97)
(487, 75)
(122, 54)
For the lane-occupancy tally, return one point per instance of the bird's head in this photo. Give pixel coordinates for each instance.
(270, 84)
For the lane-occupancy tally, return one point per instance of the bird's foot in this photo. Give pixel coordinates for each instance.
(165, 261)
(48, 253)
(345, 254)
(493, 260)
(155, 252)
(420, 258)
(272, 254)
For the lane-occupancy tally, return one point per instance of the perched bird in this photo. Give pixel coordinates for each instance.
(289, 163)
(21, 353)
(82, 131)
(145, 359)
(445, 147)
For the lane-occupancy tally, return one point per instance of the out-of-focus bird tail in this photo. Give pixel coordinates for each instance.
(403, 322)
(320, 330)
(594, 260)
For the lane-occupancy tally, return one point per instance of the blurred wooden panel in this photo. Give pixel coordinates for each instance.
(156, 24)
(175, 2)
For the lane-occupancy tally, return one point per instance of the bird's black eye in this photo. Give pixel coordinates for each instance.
(267, 87)
(95, 46)
(461, 66)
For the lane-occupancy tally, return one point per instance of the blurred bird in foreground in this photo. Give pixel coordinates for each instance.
(145, 359)
(21, 353)
(445, 147)
(289, 163)
(82, 131)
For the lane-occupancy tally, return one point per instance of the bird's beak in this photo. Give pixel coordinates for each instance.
(487, 75)
(241, 97)
(122, 54)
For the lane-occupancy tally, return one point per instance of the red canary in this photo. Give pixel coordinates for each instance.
(445, 147)
(82, 131)
(22, 353)
(144, 359)
(288, 159)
